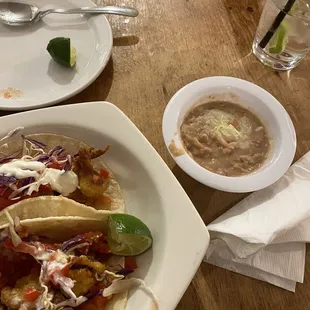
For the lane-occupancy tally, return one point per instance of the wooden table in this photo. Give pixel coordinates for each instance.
(170, 44)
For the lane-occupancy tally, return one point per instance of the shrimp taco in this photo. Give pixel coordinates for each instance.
(55, 165)
(69, 262)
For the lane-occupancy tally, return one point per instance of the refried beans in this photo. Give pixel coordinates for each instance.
(225, 138)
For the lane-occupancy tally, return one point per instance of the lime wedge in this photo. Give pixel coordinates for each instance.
(279, 40)
(62, 51)
(127, 235)
(72, 56)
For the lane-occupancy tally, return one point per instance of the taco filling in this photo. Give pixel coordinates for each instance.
(37, 170)
(41, 273)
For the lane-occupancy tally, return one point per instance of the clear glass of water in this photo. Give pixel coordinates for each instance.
(282, 38)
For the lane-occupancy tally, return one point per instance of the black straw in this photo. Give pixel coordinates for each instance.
(277, 22)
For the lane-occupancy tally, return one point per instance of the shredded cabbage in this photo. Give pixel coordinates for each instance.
(45, 299)
(116, 276)
(40, 156)
(120, 285)
(15, 237)
(73, 302)
(34, 144)
(12, 133)
(51, 270)
(78, 246)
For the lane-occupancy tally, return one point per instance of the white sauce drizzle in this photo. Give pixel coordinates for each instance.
(64, 182)
(21, 169)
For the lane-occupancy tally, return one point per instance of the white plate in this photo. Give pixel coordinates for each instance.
(276, 120)
(151, 192)
(27, 67)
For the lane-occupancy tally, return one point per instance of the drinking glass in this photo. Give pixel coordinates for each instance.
(282, 38)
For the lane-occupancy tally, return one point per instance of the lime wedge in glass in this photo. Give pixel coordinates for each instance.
(127, 235)
(62, 51)
(279, 40)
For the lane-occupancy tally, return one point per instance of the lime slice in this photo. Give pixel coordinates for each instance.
(62, 52)
(279, 40)
(127, 235)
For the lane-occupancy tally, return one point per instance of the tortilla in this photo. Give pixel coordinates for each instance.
(50, 206)
(64, 228)
(17, 148)
(58, 228)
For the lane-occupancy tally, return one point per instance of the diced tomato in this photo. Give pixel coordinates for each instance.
(101, 247)
(95, 303)
(5, 192)
(49, 246)
(90, 238)
(97, 241)
(92, 235)
(65, 270)
(53, 256)
(45, 188)
(97, 287)
(5, 202)
(55, 165)
(33, 194)
(31, 294)
(22, 247)
(104, 173)
(3, 189)
(130, 262)
(53, 274)
(9, 244)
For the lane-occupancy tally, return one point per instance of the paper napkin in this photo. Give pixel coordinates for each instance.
(264, 236)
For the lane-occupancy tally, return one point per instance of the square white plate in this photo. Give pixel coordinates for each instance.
(151, 193)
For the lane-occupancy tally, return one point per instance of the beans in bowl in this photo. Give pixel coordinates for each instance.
(225, 138)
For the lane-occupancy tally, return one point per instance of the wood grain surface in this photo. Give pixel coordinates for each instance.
(171, 43)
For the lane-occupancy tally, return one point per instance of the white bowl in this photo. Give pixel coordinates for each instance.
(150, 190)
(276, 120)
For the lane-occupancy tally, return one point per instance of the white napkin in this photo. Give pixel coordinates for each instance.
(264, 235)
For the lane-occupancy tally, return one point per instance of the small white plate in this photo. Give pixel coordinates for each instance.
(29, 78)
(150, 190)
(276, 120)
